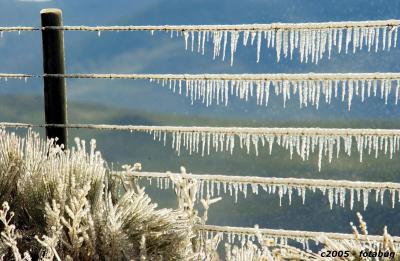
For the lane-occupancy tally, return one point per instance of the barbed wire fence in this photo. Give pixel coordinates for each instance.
(312, 40)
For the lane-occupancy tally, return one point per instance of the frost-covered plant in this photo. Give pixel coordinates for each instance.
(362, 248)
(263, 248)
(68, 206)
(11, 165)
(9, 236)
(186, 190)
(357, 245)
(353, 247)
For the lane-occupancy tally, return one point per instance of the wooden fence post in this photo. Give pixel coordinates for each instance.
(55, 101)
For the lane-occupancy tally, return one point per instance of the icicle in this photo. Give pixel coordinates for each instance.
(390, 39)
(300, 144)
(351, 199)
(340, 41)
(290, 195)
(320, 154)
(234, 40)
(312, 43)
(235, 187)
(365, 198)
(225, 42)
(384, 30)
(330, 197)
(186, 36)
(259, 37)
(377, 39)
(382, 195)
(205, 35)
(245, 190)
(293, 40)
(393, 196)
(278, 44)
(245, 37)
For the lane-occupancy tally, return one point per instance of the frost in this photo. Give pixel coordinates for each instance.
(302, 141)
(338, 192)
(309, 88)
(299, 141)
(312, 40)
(282, 238)
(21, 77)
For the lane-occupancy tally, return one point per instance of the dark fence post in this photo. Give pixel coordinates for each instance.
(55, 101)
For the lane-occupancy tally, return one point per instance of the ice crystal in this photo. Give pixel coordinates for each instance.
(310, 88)
(312, 40)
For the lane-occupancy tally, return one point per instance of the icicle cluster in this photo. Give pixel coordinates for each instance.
(300, 141)
(303, 145)
(336, 195)
(237, 235)
(310, 88)
(312, 40)
(337, 192)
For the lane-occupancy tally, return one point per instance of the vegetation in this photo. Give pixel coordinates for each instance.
(67, 205)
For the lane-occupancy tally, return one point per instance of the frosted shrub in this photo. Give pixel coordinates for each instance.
(68, 207)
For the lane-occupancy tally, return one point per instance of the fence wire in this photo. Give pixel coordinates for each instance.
(206, 76)
(237, 27)
(220, 130)
(291, 233)
(345, 184)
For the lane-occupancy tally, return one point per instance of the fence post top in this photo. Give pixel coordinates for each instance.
(51, 10)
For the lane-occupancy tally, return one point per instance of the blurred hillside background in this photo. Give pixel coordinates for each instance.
(141, 102)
